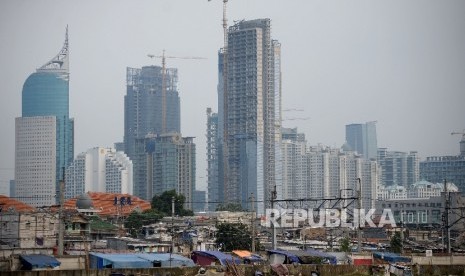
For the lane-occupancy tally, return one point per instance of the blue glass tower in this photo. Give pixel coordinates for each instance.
(46, 93)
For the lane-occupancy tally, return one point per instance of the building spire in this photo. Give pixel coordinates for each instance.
(60, 63)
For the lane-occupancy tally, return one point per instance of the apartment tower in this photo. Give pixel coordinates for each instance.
(247, 111)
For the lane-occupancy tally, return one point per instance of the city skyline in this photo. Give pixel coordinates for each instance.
(398, 63)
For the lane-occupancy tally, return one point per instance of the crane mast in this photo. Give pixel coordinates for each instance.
(163, 83)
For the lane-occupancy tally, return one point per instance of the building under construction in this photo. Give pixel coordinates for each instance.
(248, 111)
(143, 104)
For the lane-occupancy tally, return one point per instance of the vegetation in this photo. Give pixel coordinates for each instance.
(396, 243)
(234, 236)
(136, 220)
(345, 244)
(162, 204)
(232, 207)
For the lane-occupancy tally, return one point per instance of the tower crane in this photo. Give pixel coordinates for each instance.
(462, 142)
(163, 82)
(459, 133)
(225, 103)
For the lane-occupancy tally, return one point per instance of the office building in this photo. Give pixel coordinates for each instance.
(361, 138)
(162, 163)
(99, 170)
(398, 168)
(44, 144)
(450, 168)
(143, 109)
(248, 107)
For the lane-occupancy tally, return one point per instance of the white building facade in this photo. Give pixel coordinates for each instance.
(35, 160)
(99, 170)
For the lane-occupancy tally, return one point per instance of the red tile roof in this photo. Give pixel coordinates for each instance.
(7, 203)
(104, 202)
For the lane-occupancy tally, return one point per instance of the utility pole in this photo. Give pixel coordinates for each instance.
(359, 206)
(61, 228)
(273, 227)
(253, 223)
(172, 228)
(402, 228)
(446, 216)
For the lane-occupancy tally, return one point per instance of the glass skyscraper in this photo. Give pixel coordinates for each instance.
(362, 139)
(45, 107)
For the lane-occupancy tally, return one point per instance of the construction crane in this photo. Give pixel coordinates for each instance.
(462, 142)
(459, 133)
(225, 100)
(163, 83)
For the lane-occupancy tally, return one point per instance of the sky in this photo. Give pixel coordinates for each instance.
(400, 63)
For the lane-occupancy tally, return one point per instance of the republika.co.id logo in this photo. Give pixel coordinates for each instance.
(326, 218)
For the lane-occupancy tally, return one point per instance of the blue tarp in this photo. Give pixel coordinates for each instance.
(39, 261)
(391, 257)
(290, 258)
(101, 260)
(164, 259)
(302, 256)
(220, 256)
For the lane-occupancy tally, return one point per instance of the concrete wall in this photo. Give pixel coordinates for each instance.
(323, 270)
(439, 260)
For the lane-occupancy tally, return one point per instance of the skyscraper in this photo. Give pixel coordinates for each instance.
(398, 168)
(164, 162)
(143, 104)
(361, 138)
(215, 189)
(44, 144)
(249, 112)
(99, 170)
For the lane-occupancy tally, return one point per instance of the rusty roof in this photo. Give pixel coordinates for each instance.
(8, 203)
(103, 203)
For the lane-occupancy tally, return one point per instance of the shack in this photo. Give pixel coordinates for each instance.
(248, 257)
(213, 258)
(38, 262)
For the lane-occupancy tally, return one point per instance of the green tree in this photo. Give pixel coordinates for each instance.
(232, 236)
(136, 220)
(396, 243)
(162, 203)
(232, 207)
(344, 244)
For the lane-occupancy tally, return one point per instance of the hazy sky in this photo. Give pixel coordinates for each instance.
(400, 63)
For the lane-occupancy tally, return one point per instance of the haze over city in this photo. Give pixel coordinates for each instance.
(399, 63)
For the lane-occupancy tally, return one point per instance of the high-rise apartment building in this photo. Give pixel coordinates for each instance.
(398, 168)
(99, 170)
(361, 138)
(164, 162)
(143, 109)
(44, 144)
(295, 165)
(247, 106)
(334, 173)
(215, 191)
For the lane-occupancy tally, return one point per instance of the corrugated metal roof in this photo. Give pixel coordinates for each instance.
(164, 259)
